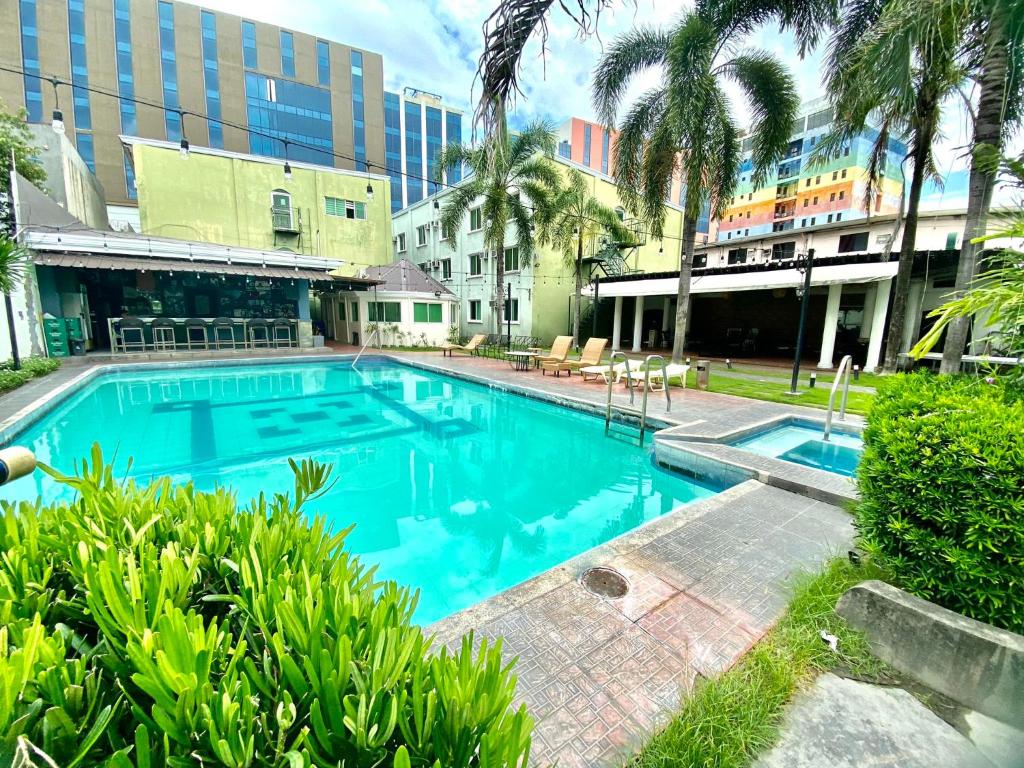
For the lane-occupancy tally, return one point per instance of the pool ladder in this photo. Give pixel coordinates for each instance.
(373, 332)
(842, 374)
(649, 361)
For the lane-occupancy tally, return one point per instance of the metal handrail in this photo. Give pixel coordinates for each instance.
(373, 332)
(647, 388)
(842, 373)
(611, 382)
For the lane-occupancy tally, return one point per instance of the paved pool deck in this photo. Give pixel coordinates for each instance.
(706, 581)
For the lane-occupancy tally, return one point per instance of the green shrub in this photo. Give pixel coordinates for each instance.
(162, 626)
(942, 493)
(31, 367)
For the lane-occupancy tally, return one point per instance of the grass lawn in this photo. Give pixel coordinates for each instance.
(728, 720)
(775, 391)
(824, 377)
(31, 368)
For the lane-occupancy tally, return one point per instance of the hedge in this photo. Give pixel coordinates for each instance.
(162, 626)
(31, 368)
(942, 492)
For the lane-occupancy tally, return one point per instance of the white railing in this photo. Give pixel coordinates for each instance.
(843, 375)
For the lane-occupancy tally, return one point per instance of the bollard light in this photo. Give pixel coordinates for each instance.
(813, 381)
(856, 372)
(728, 363)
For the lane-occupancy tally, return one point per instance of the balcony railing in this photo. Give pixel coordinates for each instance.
(285, 219)
(784, 213)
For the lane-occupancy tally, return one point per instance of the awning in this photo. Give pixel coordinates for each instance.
(749, 281)
(95, 261)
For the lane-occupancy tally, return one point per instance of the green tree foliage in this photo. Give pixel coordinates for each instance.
(161, 626)
(574, 221)
(940, 487)
(15, 137)
(685, 123)
(502, 170)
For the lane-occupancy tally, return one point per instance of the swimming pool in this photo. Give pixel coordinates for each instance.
(454, 488)
(803, 445)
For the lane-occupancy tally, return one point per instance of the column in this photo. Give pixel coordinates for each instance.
(828, 334)
(304, 327)
(869, 308)
(617, 325)
(878, 326)
(638, 323)
(666, 314)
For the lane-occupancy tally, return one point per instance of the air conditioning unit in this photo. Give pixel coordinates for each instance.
(435, 265)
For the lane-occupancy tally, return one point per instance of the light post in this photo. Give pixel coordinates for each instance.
(805, 298)
(508, 319)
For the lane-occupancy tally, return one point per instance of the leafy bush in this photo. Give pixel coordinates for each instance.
(162, 626)
(31, 367)
(942, 493)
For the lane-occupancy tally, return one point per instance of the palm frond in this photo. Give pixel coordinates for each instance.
(456, 205)
(13, 260)
(628, 56)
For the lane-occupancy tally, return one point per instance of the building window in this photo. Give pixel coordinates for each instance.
(426, 313)
(290, 110)
(817, 180)
(783, 251)
(287, 54)
(512, 259)
(857, 241)
(433, 119)
(446, 269)
(748, 214)
(211, 79)
(249, 55)
(341, 311)
(737, 256)
(169, 71)
(281, 209)
(832, 197)
(475, 219)
(746, 232)
(829, 219)
(806, 201)
(846, 151)
(125, 82)
(815, 199)
(586, 144)
(421, 235)
(842, 195)
(951, 241)
(414, 151)
(750, 196)
(512, 310)
(475, 264)
(400, 242)
(346, 209)
(808, 183)
(803, 222)
(839, 217)
(323, 62)
(358, 118)
(30, 61)
(355, 311)
(453, 135)
(843, 174)
(604, 151)
(730, 217)
(835, 175)
(812, 220)
(384, 311)
(393, 147)
(474, 311)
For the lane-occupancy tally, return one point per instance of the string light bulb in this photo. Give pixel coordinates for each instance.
(369, 192)
(287, 171)
(183, 149)
(58, 122)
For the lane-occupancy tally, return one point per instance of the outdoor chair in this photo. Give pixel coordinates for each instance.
(224, 333)
(591, 355)
(164, 329)
(281, 332)
(611, 374)
(195, 334)
(259, 333)
(554, 359)
(471, 347)
(133, 334)
(655, 379)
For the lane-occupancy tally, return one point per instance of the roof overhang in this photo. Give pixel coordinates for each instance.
(749, 281)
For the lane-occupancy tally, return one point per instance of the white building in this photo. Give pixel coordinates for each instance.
(746, 292)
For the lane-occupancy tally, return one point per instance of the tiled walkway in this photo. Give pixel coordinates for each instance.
(600, 675)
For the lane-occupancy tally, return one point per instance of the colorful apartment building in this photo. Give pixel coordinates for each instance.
(801, 194)
(592, 145)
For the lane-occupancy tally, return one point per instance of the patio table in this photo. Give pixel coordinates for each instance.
(521, 360)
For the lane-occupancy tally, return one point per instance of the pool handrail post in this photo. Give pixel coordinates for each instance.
(370, 335)
(611, 381)
(842, 375)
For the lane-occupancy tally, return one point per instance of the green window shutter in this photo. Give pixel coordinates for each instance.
(371, 311)
(360, 210)
(951, 241)
(419, 313)
(341, 311)
(435, 313)
(355, 311)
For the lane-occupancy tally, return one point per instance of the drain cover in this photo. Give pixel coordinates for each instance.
(605, 582)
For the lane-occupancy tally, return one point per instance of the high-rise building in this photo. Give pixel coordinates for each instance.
(800, 194)
(216, 79)
(593, 145)
(417, 125)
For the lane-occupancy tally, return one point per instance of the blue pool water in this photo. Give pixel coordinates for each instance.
(803, 445)
(455, 489)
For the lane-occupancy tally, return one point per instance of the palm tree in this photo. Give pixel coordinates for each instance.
(572, 220)
(501, 170)
(12, 270)
(875, 68)
(685, 123)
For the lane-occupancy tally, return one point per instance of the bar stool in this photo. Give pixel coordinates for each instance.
(224, 333)
(195, 333)
(163, 334)
(133, 334)
(282, 332)
(259, 333)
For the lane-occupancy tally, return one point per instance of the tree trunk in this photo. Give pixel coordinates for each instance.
(579, 294)
(683, 292)
(499, 289)
(988, 129)
(926, 110)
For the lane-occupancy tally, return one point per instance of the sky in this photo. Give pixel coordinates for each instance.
(434, 46)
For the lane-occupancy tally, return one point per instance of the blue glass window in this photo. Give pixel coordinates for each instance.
(393, 147)
(564, 150)
(83, 143)
(358, 118)
(249, 56)
(125, 81)
(453, 130)
(129, 177)
(211, 79)
(79, 66)
(323, 62)
(586, 145)
(433, 147)
(604, 151)
(169, 71)
(286, 110)
(287, 54)
(30, 61)
(413, 152)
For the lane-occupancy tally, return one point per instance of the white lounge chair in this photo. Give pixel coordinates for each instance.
(606, 372)
(655, 378)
